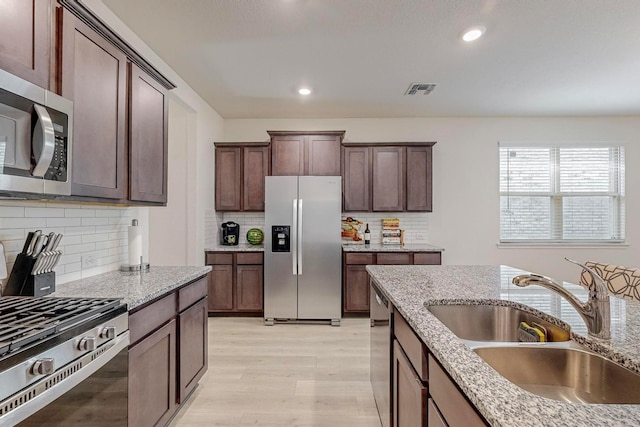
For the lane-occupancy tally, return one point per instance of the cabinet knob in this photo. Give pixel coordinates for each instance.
(44, 366)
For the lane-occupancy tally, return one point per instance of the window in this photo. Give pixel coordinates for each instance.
(561, 193)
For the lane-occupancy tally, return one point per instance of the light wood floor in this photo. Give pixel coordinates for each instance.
(284, 375)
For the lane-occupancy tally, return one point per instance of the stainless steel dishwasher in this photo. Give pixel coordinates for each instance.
(380, 360)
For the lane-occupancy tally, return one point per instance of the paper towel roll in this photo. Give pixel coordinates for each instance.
(135, 243)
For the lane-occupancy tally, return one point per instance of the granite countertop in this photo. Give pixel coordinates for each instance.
(133, 288)
(242, 247)
(501, 402)
(378, 247)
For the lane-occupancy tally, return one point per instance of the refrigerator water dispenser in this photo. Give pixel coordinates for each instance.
(280, 241)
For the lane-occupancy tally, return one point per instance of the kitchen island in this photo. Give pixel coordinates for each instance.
(500, 402)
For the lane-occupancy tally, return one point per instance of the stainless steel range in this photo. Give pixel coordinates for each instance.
(63, 361)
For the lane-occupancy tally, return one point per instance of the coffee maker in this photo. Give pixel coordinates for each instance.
(229, 233)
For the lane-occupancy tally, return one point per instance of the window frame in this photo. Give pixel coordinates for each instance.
(556, 196)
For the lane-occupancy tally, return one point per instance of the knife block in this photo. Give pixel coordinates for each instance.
(39, 285)
(19, 274)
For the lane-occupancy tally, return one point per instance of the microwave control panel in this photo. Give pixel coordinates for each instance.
(58, 168)
(280, 238)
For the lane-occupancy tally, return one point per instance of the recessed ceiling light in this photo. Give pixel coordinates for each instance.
(473, 33)
(304, 91)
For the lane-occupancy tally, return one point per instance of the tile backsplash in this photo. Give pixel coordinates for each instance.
(415, 224)
(94, 242)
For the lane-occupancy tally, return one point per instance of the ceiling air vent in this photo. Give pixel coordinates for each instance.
(415, 88)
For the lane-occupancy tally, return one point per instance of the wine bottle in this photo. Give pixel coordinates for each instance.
(367, 235)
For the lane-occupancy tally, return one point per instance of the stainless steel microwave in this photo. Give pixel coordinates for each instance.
(35, 139)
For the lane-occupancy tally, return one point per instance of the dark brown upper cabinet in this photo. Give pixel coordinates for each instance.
(387, 177)
(240, 172)
(148, 138)
(94, 77)
(295, 153)
(25, 39)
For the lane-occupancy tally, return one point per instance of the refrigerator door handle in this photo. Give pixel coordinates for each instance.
(299, 248)
(294, 238)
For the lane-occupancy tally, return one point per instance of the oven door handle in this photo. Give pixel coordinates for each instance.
(44, 142)
(46, 396)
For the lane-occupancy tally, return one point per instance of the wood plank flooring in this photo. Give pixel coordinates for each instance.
(295, 375)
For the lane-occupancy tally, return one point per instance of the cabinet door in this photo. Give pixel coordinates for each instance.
(192, 333)
(228, 178)
(221, 288)
(287, 155)
(322, 155)
(419, 178)
(25, 34)
(357, 188)
(249, 286)
(388, 179)
(356, 289)
(409, 393)
(148, 138)
(256, 167)
(94, 77)
(152, 378)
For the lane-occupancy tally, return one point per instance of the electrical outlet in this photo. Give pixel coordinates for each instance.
(89, 261)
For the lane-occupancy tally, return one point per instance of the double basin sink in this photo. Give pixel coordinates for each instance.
(559, 369)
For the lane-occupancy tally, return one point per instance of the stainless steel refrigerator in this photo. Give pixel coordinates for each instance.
(302, 256)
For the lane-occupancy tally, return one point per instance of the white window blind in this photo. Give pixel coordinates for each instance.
(561, 193)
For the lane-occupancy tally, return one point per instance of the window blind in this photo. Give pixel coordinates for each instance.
(561, 193)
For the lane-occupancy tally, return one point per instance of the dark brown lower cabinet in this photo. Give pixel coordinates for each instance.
(249, 287)
(236, 283)
(355, 280)
(221, 288)
(409, 393)
(192, 327)
(152, 378)
(168, 353)
(356, 289)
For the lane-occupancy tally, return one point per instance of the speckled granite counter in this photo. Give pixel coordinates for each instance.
(134, 288)
(378, 247)
(238, 248)
(501, 402)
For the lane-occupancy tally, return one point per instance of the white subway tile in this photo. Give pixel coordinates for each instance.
(70, 258)
(11, 212)
(79, 213)
(43, 212)
(12, 234)
(75, 249)
(72, 231)
(66, 278)
(98, 237)
(70, 268)
(33, 223)
(63, 222)
(94, 221)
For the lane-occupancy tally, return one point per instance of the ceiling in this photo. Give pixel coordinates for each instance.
(247, 58)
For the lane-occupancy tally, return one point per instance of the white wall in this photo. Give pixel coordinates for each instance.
(465, 218)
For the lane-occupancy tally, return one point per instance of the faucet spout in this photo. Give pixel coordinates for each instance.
(595, 312)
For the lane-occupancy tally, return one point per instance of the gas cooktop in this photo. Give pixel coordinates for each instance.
(27, 320)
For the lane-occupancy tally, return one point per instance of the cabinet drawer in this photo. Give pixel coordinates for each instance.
(415, 350)
(427, 258)
(360, 258)
(249, 258)
(191, 293)
(214, 258)
(394, 258)
(145, 320)
(434, 418)
(453, 406)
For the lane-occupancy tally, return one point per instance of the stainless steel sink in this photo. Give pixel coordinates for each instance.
(491, 322)
(565, 374)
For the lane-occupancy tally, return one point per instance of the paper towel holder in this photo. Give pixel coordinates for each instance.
(142, 266)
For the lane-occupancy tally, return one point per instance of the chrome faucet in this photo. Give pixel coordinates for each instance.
(595, 312)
